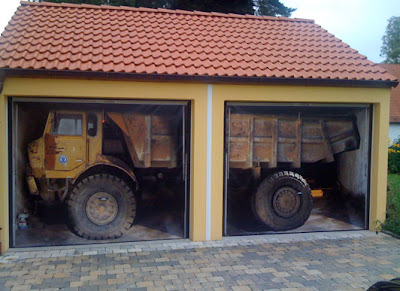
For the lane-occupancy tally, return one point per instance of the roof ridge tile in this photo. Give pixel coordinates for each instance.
(162, 10)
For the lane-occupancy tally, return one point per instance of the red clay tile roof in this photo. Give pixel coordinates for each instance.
(157, 41)
(394, 69)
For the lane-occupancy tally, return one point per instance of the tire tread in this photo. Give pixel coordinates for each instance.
(99, 178)
(264, 212)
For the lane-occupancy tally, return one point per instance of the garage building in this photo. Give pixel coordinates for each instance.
(289, 88)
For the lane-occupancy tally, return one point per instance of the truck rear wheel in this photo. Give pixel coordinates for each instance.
(283, 201)
(101, 207)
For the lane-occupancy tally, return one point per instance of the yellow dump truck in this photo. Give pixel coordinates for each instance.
(275, 147)
(82, 159)
(90, 159)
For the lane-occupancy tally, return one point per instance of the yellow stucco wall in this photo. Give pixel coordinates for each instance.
(197, 93)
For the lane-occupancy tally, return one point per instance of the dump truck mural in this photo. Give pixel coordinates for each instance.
(279, 145)
(91, 159)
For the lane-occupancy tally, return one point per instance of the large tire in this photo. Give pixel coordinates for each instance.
(283, 201)
(101, 207)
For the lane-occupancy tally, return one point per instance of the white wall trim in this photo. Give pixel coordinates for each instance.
(209, 160)
(394, 132)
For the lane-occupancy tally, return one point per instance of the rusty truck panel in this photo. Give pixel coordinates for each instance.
(64, 154)
(50, 152)
(264, 141)
(150, 138)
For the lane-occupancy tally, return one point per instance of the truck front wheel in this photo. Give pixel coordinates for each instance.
(283, 201)
(101, 207)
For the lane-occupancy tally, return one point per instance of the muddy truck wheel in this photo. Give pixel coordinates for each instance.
(101, 207)
(283, 201)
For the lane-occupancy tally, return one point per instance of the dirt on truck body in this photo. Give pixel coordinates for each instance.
(265, 141)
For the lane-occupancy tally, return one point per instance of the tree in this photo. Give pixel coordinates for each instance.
(273, 8)
(391, 41)
(225, 6)
(256, 7)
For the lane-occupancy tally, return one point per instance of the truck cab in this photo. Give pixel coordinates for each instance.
(70, 141)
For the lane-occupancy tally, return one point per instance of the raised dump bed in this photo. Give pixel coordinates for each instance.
(150, 138)
(265, 141)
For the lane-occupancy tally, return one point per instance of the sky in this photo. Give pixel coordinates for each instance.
(359, 23)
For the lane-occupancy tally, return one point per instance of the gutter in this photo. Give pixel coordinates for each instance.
(7, 72)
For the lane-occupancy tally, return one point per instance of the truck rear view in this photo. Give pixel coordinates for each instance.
(277, 146)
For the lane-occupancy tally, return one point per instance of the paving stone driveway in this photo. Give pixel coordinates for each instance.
(319, 261)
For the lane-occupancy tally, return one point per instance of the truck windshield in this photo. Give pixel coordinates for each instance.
(67, 124)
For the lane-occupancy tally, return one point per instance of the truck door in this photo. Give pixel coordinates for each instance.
(65, 143)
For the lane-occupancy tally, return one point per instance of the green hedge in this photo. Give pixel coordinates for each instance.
(392, 222)
(394, 157)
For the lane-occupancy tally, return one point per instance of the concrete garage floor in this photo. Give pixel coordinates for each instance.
(351, 260)
(326, 215)
(152, 224)
(160, 216)
(160, 224)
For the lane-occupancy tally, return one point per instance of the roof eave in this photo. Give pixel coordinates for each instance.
(7, 72)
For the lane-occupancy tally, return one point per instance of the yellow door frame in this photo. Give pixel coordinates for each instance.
(378, 97)
(95, 89)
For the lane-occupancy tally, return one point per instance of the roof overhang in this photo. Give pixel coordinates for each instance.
(31, 73)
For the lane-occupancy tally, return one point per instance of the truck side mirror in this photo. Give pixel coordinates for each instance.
(91, 124)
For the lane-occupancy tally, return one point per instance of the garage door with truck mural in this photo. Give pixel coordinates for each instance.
(100, 172)
(287, 169)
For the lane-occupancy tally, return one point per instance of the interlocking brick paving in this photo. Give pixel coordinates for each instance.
(324, 261)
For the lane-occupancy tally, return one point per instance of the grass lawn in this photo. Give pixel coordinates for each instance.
(392, 222)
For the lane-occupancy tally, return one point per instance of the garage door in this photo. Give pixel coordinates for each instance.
(95, 171)
(296, 167)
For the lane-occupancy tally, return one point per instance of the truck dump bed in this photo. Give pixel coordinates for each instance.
(264, 141)
(150, 138)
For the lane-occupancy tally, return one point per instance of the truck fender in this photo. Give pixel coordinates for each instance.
(108, 162)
